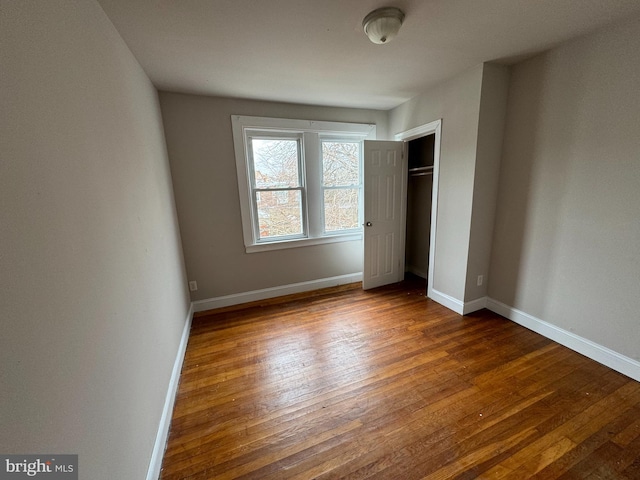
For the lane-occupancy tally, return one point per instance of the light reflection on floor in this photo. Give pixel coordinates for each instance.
(316, 357)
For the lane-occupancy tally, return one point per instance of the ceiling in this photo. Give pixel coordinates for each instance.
(314, 51)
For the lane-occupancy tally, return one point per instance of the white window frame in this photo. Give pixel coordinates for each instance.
(302, 188)
(311, 132)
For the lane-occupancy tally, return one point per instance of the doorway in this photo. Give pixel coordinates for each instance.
(433, 129)
(394, 253)
(420, 153)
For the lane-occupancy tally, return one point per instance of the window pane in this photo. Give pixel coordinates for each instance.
(340, 163)
(279, 213)
(275, 162)
(340, 209)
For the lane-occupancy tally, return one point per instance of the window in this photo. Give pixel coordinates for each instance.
(300, 181)
(277, 187)
(341, 185)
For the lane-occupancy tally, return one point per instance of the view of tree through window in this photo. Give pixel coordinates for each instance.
(341, 184)
(278, 188)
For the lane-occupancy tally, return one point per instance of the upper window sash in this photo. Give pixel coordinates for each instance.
(359, 173)
(253, 139)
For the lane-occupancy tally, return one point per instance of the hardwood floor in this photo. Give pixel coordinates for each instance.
(388, 384)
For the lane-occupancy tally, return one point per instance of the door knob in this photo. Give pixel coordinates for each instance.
(368, 224)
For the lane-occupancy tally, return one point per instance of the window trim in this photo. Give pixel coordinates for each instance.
(312, 132)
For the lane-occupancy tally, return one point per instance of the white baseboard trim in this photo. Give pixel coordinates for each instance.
(592, 350)
(474, 305)
(458, 306)
(447, 300)
(155, 465)
(254, 295)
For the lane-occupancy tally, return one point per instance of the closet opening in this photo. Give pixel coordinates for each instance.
(419, 195)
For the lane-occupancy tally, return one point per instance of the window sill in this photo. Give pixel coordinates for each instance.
(303, 242)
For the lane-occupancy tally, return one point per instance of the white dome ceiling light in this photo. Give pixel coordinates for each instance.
(383, 24)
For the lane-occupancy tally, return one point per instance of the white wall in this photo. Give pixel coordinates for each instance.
(92, 283)
(457, 102)
(200, 145)
(491, 121)
(472, 108)
(567, 238)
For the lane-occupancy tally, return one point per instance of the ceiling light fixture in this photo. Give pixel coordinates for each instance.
(383, 24)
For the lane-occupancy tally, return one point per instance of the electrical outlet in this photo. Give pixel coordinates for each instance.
(480, 279)
(193, 285)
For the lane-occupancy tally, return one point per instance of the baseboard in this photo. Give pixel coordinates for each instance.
(592, 350)
(458, 306)
(450, 302)
(474, 305)
(155, 465)
(254, 295)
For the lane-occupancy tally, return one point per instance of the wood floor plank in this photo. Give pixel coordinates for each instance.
(388, 384)
(586, 448)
